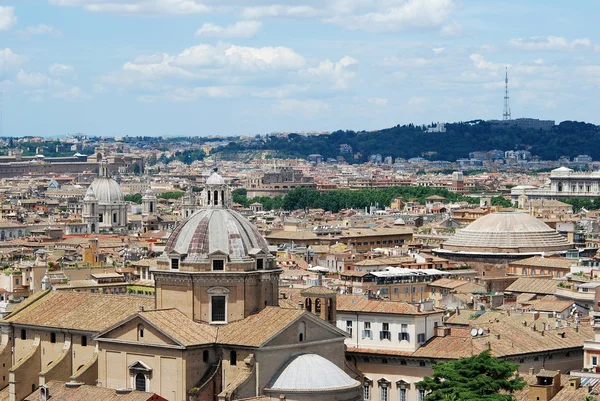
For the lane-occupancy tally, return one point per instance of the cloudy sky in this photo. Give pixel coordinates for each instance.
(201, 67)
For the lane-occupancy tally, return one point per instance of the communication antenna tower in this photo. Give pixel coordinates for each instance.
(506, 115)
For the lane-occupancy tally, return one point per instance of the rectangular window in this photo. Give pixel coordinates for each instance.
(114, 217)
(421, 395)
(367, 392)
(383, 395)
(23, 334)
(385, 333)
(259, 264)
(53, 338)
(349, 327)
(395, 290)
(406, 289)
(433, 290)
(218, 308)
(101, 218)
(84, 341)
(594, 361)
(367, 333)
(175, 264)
(218, 264)
(402, 393)
(403, 335)
(17, 281)
(421, 337)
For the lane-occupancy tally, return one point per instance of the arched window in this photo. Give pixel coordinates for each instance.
(318, 305)
(301, 331)
(216, 198)
(330, 309)
(140, 382)
(140, 331)
(308, 304)
(524, 271)
(222, 197)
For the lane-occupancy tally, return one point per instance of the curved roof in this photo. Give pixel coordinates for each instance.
(107, 190)
(311, 372)
(211, 230)
(506, 232)
(215, 179)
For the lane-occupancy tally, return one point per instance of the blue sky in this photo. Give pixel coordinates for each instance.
(243, 67)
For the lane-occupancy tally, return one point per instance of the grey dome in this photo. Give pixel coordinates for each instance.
(506, 232)
(211, 230)
(311, 372)
(107, 190)
(215, 179)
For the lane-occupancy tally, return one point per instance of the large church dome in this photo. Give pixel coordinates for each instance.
(211, 230)
(107, 190)
(505, 233)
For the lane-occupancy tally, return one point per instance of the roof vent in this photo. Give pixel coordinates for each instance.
(122, 391)
(73, 384)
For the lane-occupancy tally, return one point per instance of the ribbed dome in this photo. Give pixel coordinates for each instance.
(506, 232)
(107, 190)
(211, 230)
(311, 372)
(215, 179)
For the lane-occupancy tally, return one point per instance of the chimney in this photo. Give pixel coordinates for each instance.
(140, 308)
(489, 345)
(300, 304)
(497, 336)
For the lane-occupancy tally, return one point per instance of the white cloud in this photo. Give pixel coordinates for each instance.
(281, 11)
(378, 101)
(7, 18)
(145, 7)
(400, 16)
(35, 79)
(438, 50)
(10, 60)
(74, 93)
(239, 57)
(60, 69)
(481, 63)
(42, 29)
(307, 108)
(156, 66)
(549, 43)
(451, 30)
(241, 29)
(337, 72)
(417, 101)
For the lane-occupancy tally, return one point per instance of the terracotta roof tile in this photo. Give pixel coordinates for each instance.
(78, 311)
(59, 391)
(181, 328)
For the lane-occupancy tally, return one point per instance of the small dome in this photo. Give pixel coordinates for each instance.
(506, 232)
(311, 372)
(107, 190)
(215, 179)
(211, 230)
(89, 194)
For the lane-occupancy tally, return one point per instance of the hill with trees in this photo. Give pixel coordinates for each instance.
(569, 138)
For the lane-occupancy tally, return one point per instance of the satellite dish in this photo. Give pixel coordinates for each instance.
(474, 333)
(480, 331)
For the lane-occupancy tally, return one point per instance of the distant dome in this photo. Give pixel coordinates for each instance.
(506, 233)
(107, 190)
(311, 372)
(215, 179)
(211, 230)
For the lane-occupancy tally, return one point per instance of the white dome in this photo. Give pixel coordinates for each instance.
(215, 179)
(311, 372)
(107, 190)
(506, 232)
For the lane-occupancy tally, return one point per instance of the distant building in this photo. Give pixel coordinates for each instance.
(564, 183)
(524, 123)
(346, 149)
(277, 182)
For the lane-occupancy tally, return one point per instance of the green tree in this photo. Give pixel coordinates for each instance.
(478, 378)
(135, 198)
(171, 195)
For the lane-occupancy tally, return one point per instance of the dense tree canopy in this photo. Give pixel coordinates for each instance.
(583, 203)
(171, 195)
(304, 198)
(569, 138)
(135, 198)
(478, 378)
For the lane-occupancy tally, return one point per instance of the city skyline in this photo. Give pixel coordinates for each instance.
(186, 67)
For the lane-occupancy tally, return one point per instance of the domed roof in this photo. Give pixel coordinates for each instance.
(211, 230)
(215, 179)
(506, 232)
(311, 372)
(107, 190)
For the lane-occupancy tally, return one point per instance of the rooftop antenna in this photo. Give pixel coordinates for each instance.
(506, 115)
